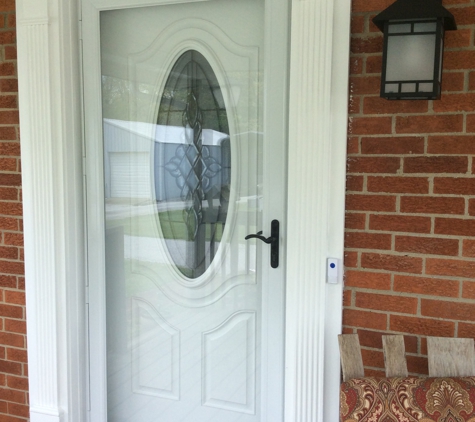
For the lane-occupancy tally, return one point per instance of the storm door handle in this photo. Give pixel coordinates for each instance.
(273, 240)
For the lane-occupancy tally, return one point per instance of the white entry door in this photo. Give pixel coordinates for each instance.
(185, 109)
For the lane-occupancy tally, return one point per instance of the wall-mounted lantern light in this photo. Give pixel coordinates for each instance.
(413, 48)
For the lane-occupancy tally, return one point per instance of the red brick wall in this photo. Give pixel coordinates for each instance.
(410, 226)
(13, 366)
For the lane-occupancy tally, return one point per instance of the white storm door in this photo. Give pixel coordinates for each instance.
(185, 121)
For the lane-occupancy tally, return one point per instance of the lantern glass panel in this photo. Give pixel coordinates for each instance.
(400, 28)
(391, 88)
(426, 87)
(410, 57)
(408, 87)
(425, 27)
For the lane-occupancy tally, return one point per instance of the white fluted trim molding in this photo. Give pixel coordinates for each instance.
(314, 180)
(37, 160)
(52, 211)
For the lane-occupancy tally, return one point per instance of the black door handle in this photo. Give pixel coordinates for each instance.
(273, 240)
(258, 236)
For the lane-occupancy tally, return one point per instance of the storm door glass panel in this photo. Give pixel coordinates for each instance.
(193, 164)
(182, 98)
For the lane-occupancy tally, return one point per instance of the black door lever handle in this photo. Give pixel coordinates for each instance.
(273, 240)
(258, 236)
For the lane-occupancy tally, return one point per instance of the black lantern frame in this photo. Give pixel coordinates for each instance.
(413, 48)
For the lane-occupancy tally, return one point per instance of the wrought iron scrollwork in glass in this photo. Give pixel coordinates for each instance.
(199, 164)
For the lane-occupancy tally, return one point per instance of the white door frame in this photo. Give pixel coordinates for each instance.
(49, 73)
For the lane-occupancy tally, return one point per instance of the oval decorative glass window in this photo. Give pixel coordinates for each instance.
(192, 164)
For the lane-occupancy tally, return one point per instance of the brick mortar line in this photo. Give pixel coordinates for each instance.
(448, 278)
(398, 233)
(388, 314)
(385, 193)
(396, 313)
(459, 257)
(416, 114)
(393, 293)
(404, 214)
(402, 156)
(376, 349)
(379, 313)
(382, 135)
(402, 254)
(400, 213)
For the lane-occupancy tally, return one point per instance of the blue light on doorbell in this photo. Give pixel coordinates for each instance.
(332, 270)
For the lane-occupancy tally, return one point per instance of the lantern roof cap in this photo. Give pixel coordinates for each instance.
(415, 9)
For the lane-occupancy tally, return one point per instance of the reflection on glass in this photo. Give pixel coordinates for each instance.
(183, 297)
(192, 164)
